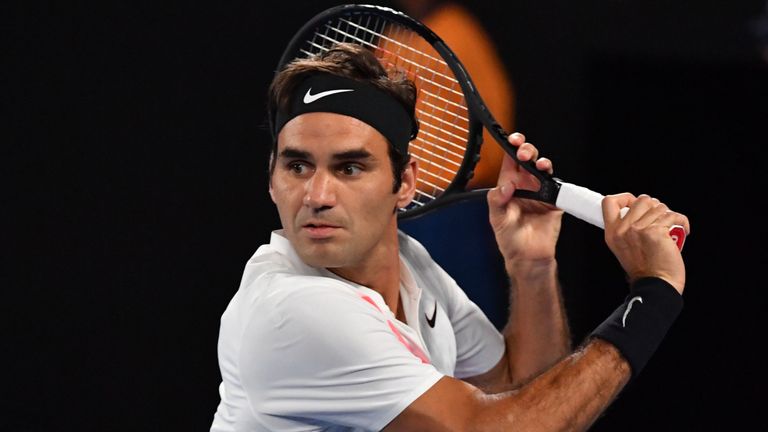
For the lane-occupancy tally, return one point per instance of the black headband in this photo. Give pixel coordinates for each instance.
(324, 92)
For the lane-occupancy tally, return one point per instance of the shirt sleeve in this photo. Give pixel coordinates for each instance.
(479, 345)
(319, 352)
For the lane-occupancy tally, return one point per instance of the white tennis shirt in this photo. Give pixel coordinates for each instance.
(301, 349)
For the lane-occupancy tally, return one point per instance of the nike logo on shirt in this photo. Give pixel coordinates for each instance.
(309, 97)
(629, 308)
(431, 321)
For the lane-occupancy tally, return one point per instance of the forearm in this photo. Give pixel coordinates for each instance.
(568, 397)
(537, 334)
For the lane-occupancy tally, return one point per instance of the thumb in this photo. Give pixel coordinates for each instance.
(612, 205)
(508, 171)
(499, 197)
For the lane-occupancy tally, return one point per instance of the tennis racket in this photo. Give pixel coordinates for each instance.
(449, 108)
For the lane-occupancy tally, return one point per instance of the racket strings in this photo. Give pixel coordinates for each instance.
(381, 35)
(442, 112)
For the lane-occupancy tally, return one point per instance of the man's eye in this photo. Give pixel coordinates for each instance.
(297, 167)
(351, 170)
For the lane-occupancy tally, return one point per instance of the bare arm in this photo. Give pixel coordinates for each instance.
(568, 397)
(536, 334)
(537, 326)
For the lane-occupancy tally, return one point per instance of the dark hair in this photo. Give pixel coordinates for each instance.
(349, 61)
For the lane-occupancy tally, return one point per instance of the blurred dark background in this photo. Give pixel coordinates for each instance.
(134, 138)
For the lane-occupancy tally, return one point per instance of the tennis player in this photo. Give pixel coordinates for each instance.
(344, 323)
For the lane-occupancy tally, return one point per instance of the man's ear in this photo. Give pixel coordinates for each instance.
(408, 186)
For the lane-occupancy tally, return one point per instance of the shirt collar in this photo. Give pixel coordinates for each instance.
(409, 291)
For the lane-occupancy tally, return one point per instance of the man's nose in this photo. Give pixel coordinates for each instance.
(320, 191)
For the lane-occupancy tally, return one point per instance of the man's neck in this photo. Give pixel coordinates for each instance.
(381, 274)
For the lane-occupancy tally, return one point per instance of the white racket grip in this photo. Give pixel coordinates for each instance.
(582, 203)
(586, 205)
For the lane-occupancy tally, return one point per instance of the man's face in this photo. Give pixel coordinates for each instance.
(332, 185)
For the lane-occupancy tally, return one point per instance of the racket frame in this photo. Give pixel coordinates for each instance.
(479, 116)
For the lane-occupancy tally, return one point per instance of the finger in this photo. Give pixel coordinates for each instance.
(670, 218)
(516, 139)
(638, 208)
(612, 205)
(651, 215)
(544, 164)
(526, 152)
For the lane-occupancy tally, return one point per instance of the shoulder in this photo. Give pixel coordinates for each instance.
(418, 258)
(275, 290)
(412, 250)
(302, 316)
(427, 272)
(287, 293)
(275, 273)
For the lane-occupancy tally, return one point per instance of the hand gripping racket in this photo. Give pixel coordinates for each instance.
(449, 108)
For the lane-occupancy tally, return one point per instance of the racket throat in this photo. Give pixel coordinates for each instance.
(548, 192)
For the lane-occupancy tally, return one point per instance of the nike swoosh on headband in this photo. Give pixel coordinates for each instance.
(309, 97)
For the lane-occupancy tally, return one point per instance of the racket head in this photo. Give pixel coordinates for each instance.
(448, 144)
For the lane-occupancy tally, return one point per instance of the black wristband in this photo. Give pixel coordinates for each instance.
(638, 326)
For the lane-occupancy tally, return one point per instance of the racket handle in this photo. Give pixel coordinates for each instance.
(586, 204)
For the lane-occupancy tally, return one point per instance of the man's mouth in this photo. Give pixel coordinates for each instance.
(319, 230)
